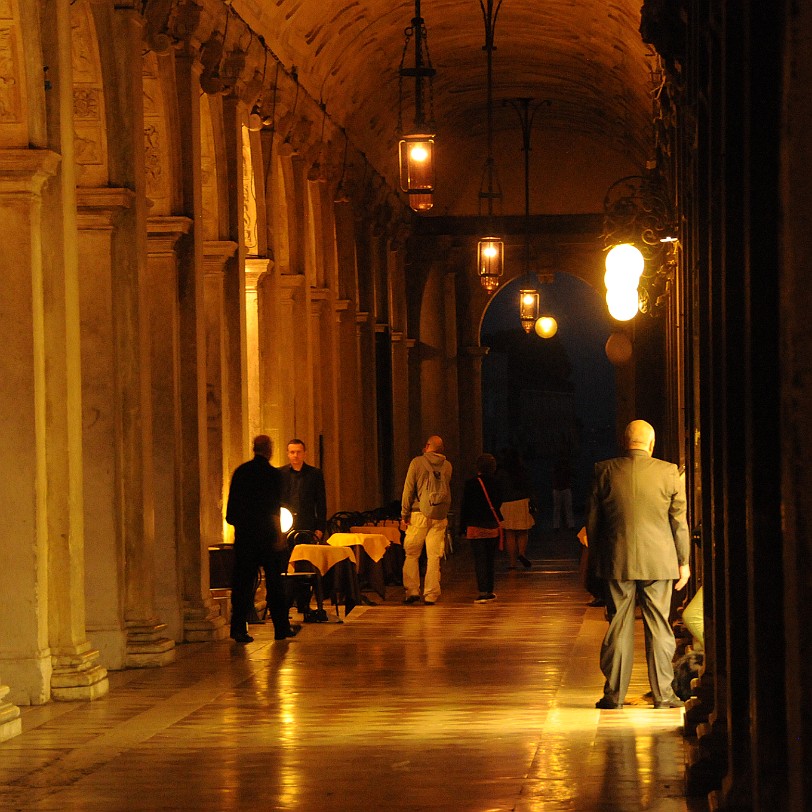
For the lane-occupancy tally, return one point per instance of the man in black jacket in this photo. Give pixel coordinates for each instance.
(304, 494)
(254, 501)
(303, 491)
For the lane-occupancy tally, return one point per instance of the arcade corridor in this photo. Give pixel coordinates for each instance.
(453, 708)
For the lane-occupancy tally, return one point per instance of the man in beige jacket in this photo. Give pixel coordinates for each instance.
(637, 529)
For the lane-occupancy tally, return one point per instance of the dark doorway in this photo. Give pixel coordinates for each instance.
(550, 398)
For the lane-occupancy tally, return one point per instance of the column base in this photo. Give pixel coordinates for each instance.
(203, 623)
(78, 676)
(706, 762)
(10, 722)
(147, 646)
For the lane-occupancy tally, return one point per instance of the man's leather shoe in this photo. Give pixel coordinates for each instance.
(411, 599)
(292, 632)
(604, 703)
(670, 703)
(241, 637)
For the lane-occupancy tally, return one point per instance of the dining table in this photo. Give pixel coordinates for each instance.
(394, 557)
(370, 550)
(337, 569)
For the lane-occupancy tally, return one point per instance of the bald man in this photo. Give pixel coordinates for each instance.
(424, 510)
(637, 529)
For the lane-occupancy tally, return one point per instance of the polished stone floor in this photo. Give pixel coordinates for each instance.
(457, 706)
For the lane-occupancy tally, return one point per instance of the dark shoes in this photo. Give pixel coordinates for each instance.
(292, 632)
(485, 597)
(525, 562)
(411, 599)
(604, 703)
(670, 703)
(429, 603)
(241, 637)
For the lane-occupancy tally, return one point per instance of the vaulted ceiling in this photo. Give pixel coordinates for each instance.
(585, 57)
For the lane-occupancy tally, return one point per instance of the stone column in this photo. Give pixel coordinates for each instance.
(365, 342)
(117, 439)
(400, 406)
(163, 234)
(255, 269)
(202, 620)
(470, 378)
(216, 256)
(294, 356)
(25, 656)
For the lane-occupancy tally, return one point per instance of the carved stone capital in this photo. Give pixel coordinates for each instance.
(26, 170)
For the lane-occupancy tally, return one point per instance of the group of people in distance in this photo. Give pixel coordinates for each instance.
(636, 527)
(638, 539)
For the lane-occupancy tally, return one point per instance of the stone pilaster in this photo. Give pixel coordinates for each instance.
(163, 235)
(25, 656)
(365, 342)
(216, 256)
(202, 620)
(255, 269)
(118, 509)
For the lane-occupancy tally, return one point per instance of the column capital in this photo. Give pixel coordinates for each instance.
(26, 170)
(163, 233)
(362, 317)
(290, 284)
(100, 207)
(215, 255)
(256, 267)
(396, 336)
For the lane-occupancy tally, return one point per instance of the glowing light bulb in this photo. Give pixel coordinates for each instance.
(546, 327)
(419, 153)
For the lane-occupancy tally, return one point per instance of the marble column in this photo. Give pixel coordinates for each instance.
(25, 656)
(163, 234)
(117, 437)
(201, 616)
(255, 269)
(470, 377)
(216, 256)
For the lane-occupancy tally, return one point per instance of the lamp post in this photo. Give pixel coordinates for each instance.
(416, 148)
(490, 250)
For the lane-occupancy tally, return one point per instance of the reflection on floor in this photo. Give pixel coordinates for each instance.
(458, 706)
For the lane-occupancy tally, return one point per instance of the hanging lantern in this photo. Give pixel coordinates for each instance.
(491, 259)
(528, 308)
(417, 170)
(546, 327)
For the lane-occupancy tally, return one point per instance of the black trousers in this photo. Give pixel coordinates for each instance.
(484, 551)
(247, 561)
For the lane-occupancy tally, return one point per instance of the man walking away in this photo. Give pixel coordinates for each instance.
(424, 511)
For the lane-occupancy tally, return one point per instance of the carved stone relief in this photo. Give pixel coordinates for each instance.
(156, 158)
(249, 197)
(90, 132)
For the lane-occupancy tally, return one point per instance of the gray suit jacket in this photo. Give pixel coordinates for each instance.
(636, 526)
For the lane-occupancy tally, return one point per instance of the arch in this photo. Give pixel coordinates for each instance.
(550, 397)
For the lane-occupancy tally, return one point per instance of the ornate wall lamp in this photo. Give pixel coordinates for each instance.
(491, 249)
(416, 148)
(639, 231)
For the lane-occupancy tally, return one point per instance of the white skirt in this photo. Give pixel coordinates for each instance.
(517, 515)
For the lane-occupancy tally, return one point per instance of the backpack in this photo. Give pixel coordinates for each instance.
(435, 498)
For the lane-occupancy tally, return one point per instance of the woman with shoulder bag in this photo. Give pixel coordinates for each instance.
(481, 523)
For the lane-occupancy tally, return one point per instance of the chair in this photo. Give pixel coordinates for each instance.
(342, 521)
(313, 579)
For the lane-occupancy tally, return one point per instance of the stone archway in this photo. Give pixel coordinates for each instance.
(549, 397)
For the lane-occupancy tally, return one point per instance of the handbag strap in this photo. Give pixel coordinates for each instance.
(490, 504)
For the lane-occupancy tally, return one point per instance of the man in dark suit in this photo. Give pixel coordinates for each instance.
(636, 527)
(303, 491)
(253, 509)
(304, 494)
